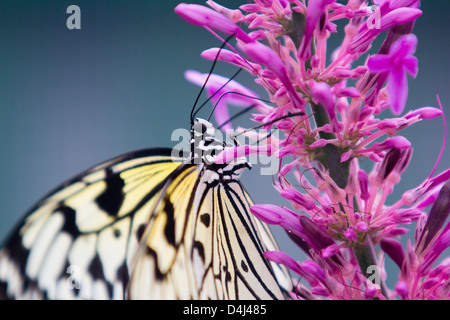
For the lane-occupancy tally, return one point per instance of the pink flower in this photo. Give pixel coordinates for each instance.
(340, 163)
(398, 62)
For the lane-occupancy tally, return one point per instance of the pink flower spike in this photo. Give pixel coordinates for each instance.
(206, 17)
(397, 63)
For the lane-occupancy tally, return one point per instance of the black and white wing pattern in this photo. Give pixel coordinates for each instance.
(144, 225)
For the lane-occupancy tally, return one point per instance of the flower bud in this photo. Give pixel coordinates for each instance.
(206, 17)
(394, 250)
(437, 217)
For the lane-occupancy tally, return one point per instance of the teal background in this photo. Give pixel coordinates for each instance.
(72, 98)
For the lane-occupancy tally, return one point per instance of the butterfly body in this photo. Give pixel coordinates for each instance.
(145, 225)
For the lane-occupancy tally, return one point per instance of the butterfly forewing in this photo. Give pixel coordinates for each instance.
(79, 240)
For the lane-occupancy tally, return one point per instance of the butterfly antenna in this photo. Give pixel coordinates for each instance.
(206, 81)
(239, 94)
(218, 90)
(240, 113)
(444, 140)
(273, 121)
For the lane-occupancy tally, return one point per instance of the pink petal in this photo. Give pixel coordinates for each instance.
(297, 197)
(397, 142)
(400, 15)
(424, 113)
(229, 154)
(411, 65)
(228, 56)
(314, 12)
(284, 259)
(267, 213)
(379, 63)
(233, 15)
(398, 90)
(206, 17)
(405, 45)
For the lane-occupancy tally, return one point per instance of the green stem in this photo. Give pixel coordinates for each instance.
(297, 28)
(322, 118)
(330, 155)
(367, 260)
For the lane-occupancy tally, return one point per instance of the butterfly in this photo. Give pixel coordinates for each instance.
(146, 225)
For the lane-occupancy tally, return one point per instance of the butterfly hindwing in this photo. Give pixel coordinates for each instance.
(220, 252)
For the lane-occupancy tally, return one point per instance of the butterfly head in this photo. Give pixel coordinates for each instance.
(205, 145)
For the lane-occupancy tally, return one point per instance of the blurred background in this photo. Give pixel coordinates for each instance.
(70, 99)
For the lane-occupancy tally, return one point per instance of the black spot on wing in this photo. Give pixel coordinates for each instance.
(96, 271)
(3, 288)
(140, 232)
(244, 266)
(169, 230)
(205, 219)
(111, 199)
(158, 274)
(70, 225)
(200, 250)
(17, 252)
(117, 233)
(124, 276)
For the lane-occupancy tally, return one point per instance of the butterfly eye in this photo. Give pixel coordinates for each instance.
(203, 128)
(200, 128)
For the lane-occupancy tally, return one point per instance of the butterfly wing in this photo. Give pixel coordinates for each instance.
(218, 250)
(178, 230)
(79, 240)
